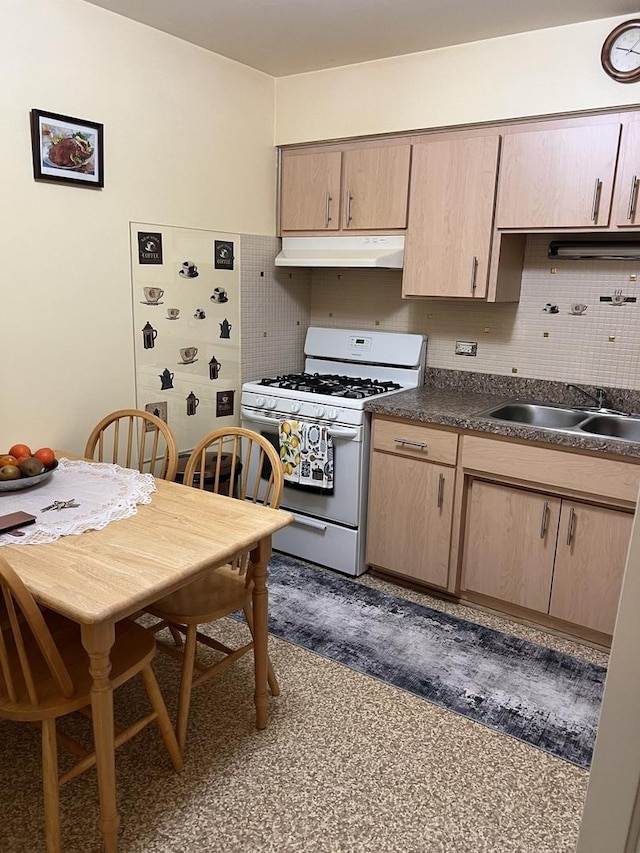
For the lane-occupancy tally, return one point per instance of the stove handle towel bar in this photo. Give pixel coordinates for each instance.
(273, 422)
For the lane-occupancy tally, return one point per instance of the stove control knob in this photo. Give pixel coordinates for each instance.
(332, 414)
(320, 411)
(260, 400)
(295, 407)
(271, 403)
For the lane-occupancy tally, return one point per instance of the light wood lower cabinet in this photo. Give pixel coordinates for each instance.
(510, 543)
(410, 510)
(560, 557)
(590, 559)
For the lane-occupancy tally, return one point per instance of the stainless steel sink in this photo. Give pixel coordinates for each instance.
(614, 426)
(557, 417)
(536, 414)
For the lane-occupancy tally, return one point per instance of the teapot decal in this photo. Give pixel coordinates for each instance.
(166, 379)
(225, 329)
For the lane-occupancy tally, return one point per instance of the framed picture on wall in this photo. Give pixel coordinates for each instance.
(67, 150)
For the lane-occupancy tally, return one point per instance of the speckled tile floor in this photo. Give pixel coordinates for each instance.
(346, 765)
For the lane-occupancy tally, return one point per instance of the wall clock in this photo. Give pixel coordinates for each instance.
(621, 52)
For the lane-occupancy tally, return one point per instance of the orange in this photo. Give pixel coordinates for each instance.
(20, 450)
(46, 456)
(7, 459)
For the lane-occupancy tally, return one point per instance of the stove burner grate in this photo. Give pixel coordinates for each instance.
(332, 385)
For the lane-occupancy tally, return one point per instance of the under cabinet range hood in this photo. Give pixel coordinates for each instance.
(381, 251)
(595, 250)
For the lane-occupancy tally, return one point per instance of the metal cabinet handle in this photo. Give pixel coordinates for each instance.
(327, 209)
(545, 519)
(596, 199)
(404, 442)
(474, 273)
(347, 213)
(571, 525)
(440, 491)
(633, 198)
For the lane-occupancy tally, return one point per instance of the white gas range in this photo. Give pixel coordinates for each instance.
(343, 369)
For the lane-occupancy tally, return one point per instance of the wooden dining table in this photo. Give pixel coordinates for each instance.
(101, 576)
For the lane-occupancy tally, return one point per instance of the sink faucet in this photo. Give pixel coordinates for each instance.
(599, 398)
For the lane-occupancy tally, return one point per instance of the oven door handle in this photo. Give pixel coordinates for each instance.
(275, 422)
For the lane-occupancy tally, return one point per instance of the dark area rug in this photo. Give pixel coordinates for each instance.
(545, 698)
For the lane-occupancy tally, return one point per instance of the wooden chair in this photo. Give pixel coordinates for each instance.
(44, 675)
(135, 439)
(227, 589)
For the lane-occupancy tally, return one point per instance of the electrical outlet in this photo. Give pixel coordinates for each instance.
(466, 348)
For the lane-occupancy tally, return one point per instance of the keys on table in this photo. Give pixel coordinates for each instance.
(58, 505)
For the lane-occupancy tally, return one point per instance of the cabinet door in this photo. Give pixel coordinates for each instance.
(376, 187)
(451, 204)
(509, 544)
(409, 517)
(590, 560)
(626, 213)
(559, 178)
(310, 191)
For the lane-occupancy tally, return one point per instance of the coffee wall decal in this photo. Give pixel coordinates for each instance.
(149, 335)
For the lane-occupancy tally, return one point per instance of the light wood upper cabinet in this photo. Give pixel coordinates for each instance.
(448, 242)
(510, 543)
(590, 560)
(626, 212)
(310, 194)
(376, 187)
(560, 178)
(357, 189)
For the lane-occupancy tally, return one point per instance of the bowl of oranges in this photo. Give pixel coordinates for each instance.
(22, 469)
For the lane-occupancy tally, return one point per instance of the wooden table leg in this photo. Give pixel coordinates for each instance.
(260, 558)
(98, 640)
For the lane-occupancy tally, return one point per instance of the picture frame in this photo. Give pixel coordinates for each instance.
(67, 150)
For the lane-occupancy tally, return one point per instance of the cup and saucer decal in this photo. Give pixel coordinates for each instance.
(577, 308)
(152, 296)
(188, 355)
(219, 295)
(189, 270)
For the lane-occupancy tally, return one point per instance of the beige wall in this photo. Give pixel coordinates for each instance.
(528, 74)
(188, 141)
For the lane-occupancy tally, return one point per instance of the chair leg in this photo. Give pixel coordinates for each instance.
(186, 680)
(51, 786)
(274, 687)
(177, 636)
(157, 703)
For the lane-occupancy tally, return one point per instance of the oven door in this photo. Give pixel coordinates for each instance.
(343, 504)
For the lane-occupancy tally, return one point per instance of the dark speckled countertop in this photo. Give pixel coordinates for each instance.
(454, 398)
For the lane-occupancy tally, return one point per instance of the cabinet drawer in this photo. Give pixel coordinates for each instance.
(406, 438)
(590, 475)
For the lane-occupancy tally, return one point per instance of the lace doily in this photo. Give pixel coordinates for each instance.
(103, 492)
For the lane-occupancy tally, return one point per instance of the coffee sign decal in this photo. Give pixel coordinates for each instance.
(223, 255)
(224, 404)
(149, 247)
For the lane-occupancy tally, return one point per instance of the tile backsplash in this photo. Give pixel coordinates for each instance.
(275, 305)
(600, 346)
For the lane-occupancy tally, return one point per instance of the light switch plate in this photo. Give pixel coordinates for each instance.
(466, 348)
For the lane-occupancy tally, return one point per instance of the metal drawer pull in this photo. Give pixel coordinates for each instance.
(347, 214)
(474, 273)
(406, 443)
(545, 519)
(572, 521)
(633, 198)
(327, 211)
(596, 199)
(440, 491)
